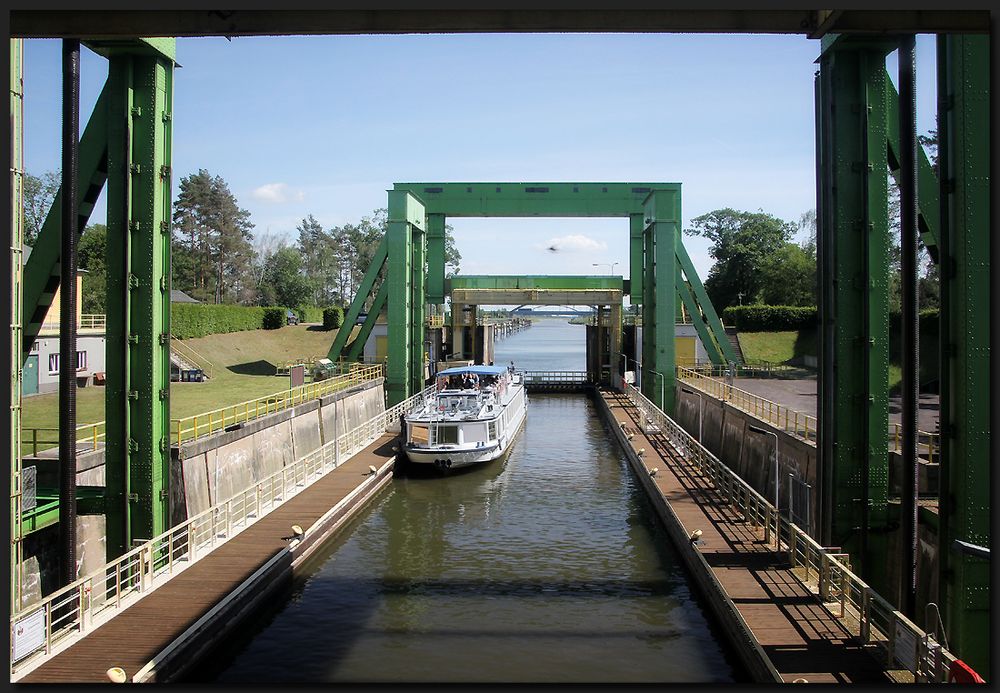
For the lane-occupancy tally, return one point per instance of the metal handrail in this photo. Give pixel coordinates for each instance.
(198, 425)
(862, 611)
(87, 321)
(798, 423)
(188, 352)
(795, 422)
(91, 600)
(88, 436)
(535, 377)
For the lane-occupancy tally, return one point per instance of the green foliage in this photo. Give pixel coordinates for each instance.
(39, 194)
(274, 318)
(212, 255)
(92, 257)
(742, 242)
(763, 318)
(284, 283)
(333, 317)
(309, 313)
(788, 277)
(189, 320)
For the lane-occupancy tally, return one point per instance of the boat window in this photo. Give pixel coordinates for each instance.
(493, 430)
(446, 434)
(418, 434)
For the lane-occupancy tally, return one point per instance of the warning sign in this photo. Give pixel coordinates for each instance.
(28, 634)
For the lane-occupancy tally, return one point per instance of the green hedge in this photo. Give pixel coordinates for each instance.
(310, 313)
(333, 317)
(274, 318)
(762, 318)
(188, 320)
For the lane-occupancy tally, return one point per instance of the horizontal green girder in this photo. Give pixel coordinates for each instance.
(532, 281)
(89, 501)
(534, 199)
(159, 47)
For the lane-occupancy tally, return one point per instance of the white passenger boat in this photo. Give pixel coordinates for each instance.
(473, 417)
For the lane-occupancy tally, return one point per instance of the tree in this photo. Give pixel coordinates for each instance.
(321, 260)
(39, 194)
(788, 277)
(92, 257)
(741, 243)
(284, 283)
(211, 243)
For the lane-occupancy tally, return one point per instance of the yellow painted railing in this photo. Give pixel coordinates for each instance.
(795, 422)
(927, 443)
(199, 425)
(88, 437)
(435, 321)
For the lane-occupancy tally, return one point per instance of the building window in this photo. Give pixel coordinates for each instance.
(53, 363)
(81, 360)
(34, 347)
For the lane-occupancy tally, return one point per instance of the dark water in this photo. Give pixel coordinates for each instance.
(548, 566)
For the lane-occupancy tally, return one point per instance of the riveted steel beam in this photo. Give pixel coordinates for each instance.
(377, 306)
(407, 221)
(966, 313)
(41, 272)
(662, 209)
(854, 323)
(704, 307)
(435, 258)
(534, 199)
(137, 394)
(358, 303)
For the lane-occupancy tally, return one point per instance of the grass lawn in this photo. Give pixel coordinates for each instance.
(242, 366)
(779, 347)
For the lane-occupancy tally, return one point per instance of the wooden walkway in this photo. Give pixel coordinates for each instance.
(801, 638)
(136, 635)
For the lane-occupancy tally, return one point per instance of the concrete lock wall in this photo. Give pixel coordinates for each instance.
(216, 467)
(203, 472)
(726, 434)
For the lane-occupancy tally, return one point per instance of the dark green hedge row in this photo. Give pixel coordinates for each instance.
(274, 318)
(310, 313)
(762, 318)
(189, 320)
(333, 317)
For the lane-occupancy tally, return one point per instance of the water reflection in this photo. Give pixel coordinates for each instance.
(548, 566)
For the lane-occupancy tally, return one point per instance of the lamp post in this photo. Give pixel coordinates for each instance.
(611, 266)
(757, 429)
(701, 408)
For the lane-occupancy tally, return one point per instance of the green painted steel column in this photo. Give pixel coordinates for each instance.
(358, 304)
(406, 214)
(418, 302)
(435, 258)
(662, 219)
(965, 406)
(16, 274)
(854, 345)
(684, 291)
(137, 396)
(635, 255)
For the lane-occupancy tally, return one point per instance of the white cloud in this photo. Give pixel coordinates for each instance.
(576, 242)
(277, 193)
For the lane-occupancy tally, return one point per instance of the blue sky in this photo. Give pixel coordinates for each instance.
(325, 125)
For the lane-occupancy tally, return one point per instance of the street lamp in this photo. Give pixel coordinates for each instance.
(701, 408)
(611, 266)
(757, 429)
